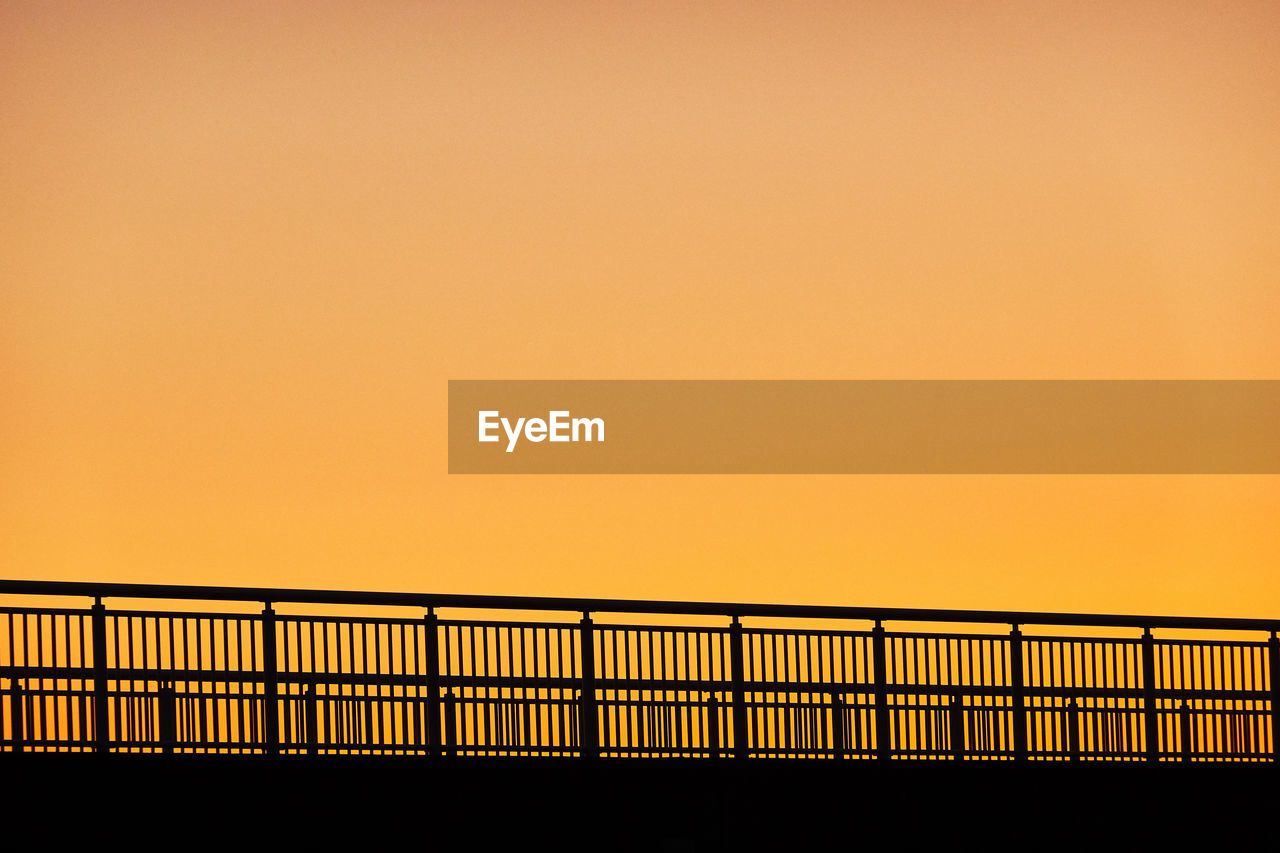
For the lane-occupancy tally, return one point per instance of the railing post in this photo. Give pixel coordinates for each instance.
(270, 683)
(589, 744)
(879, 666)
(168, 716)
(1073, 730)
(955, 721)
(1150, 714)
(101, 710)
(738, 672)
(431, 648)
(1273, 661)
(713, 726)
(1184, 729)
(1017, 689)
(17, 715)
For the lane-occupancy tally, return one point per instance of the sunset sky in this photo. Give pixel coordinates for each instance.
(246, 245)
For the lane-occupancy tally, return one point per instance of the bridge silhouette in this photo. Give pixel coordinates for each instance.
(103, 670)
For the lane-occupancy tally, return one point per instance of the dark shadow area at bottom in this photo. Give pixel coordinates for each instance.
(661, 805)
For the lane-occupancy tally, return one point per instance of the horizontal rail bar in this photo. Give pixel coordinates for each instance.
(610, 605)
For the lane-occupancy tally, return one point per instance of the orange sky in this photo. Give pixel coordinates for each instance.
(246, 245)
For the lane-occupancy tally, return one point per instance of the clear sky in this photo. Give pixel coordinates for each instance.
(245, 245)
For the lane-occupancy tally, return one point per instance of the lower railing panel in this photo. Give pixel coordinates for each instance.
(338, 718)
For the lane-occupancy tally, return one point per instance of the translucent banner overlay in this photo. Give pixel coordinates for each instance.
(864, 427)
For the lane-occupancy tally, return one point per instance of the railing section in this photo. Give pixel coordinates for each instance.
(116, 680)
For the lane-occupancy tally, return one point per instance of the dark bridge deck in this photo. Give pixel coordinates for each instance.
(106, 672)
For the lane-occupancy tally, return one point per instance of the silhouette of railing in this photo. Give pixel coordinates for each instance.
(122, 680)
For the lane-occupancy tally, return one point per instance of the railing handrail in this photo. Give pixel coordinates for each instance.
(98, 590)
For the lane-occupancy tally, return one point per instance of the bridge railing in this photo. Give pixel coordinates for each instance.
(577, 678)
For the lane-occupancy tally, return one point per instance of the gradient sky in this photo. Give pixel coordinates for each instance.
(245, 245)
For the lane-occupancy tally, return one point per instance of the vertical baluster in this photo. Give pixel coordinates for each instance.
(956, 725)
(1150, 713)
(713, 726)
(310, 719)
(449, 710)
(101, 710)
(431, 650)
(839, 726)
(270, 682)
(741, 745)
(1017, 695)
(168, 717)
(17, 715)
(1073, 729)
(880, 674)
(589, 744)
(1273, 667)
(1184, 729)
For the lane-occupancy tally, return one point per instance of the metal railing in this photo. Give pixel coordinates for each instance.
(94, 678)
